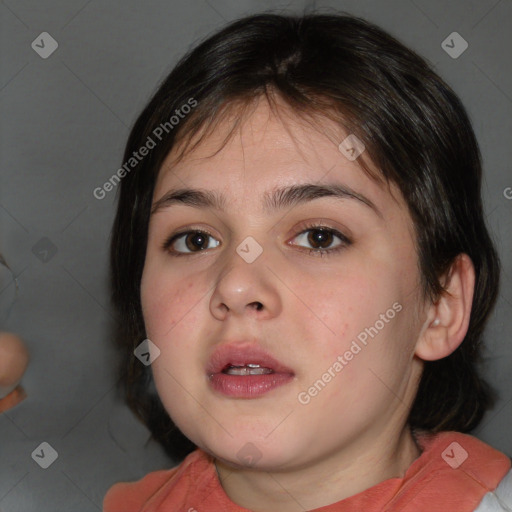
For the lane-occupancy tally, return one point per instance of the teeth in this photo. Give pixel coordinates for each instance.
(249, 369)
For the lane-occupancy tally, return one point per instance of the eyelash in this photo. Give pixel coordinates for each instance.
(345, 241)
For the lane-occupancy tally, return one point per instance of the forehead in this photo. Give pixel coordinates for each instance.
(270, 150)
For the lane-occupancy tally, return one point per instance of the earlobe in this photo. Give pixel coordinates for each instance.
(448, 319)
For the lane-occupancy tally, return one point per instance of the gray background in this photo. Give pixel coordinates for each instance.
(64, 121)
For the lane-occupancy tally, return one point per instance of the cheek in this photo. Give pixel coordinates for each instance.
(171, 308)
(168, 302)
(366, 319)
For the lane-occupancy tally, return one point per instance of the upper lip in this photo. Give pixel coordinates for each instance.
(240, 354)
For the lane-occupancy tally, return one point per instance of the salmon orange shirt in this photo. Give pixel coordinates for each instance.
(453, 473)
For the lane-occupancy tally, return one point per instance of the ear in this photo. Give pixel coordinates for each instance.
(448, 319)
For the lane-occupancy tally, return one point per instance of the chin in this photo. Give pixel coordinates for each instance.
(252, 451)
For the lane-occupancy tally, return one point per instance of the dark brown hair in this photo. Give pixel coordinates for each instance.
(416, 133)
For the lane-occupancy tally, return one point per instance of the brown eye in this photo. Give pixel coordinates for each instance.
(321, 238)
(189, 242)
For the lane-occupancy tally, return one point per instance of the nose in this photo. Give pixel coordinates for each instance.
(245, 289)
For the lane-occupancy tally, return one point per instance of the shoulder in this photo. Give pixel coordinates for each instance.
(455, 471)
(499, 500)
(464, 457)
(450, 451)
(133, 496)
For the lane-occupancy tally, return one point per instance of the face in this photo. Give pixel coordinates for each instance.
(286, 329)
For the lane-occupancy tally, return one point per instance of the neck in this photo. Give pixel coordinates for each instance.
(331, 479)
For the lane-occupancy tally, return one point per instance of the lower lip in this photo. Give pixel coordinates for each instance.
(248, 386)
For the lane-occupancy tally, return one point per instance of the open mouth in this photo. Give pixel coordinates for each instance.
(248, 369)
(245, 371)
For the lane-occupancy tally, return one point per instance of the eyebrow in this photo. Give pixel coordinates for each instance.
(273, 201)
